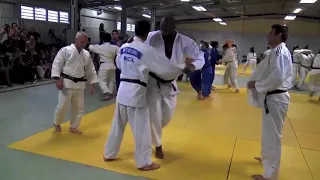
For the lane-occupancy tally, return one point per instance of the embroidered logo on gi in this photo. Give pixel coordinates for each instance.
(278, 50)
(131, 51)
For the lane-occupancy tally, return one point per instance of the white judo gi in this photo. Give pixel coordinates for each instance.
(305, 65)
(273, 79)
(252, 61)
(106, 75)
(136, 60)
(230, 75)
(70, 62)
(314, 74)
(162, 97)
(297, 58)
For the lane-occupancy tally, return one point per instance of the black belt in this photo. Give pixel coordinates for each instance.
(305, 66)
(135, 81)
(315, 67)
(74, 79)
(295, 63)
(162, 81)
(277, 91)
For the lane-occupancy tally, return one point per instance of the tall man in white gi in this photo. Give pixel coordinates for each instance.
(71, 67)
(230, 75)
(162, 95)
(271, 81)
(107, 70)
(136, 60)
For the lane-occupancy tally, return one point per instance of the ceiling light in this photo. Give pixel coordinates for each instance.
(199, 8)
(297, 10)
(223, 23)
(217, 19)
(146, 15)
(185, 0)
(308, 1)
(118, 8)
(290, 17)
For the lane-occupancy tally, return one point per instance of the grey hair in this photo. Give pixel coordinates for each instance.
(81, 33)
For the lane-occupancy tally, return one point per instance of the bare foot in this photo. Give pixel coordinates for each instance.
(107, 160)
(237, 91)
(229, 86)
(151, 167)
(159, 153)
(258, 177)
(57, 128)
(199, 97)
(258, 159)
(75, 130)
(311, 94)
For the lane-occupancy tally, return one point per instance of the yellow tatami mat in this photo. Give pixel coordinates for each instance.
(200, 141)
(221, 68)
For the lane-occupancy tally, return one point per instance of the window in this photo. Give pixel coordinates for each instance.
(52, 16)
(27, 12)
(40, 14)
(130, 27)
(64, 17)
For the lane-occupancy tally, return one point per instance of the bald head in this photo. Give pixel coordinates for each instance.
(168, 26)
(81, 40)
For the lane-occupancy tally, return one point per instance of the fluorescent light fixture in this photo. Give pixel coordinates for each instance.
(185, 0)
(146, 15)
(290, 17)
(308, 1)
(217, 19)
(118, 8)
(297, 10)
(223, 23)
(199, 8)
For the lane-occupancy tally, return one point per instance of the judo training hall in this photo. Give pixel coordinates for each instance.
(238, 100)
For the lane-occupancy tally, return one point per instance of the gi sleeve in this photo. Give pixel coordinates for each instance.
(93, 48)
(58, 63)
(160, 66)
(192, 51)
(91, 73)
(228, 57)
(276, 76)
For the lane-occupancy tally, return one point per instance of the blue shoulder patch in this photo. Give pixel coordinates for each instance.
(278, 50)
(131, 51)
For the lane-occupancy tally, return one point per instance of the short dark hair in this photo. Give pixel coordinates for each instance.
(252, 49)
(142, 28)
(284, 30)
(225, 46)
(106, 37)
(214, 44)
(115, 31)
(206, 44)
(233, 45)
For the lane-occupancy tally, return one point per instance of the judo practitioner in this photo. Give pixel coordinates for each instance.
(71, 68)
(230, 75)
(162, 95)
(116, 41)
(305, 65)
(201, 79)
(106, 76)
(314, 74)
(136, 60)
(214, 58)
(271, 82)
(296, 66)
(251, 60)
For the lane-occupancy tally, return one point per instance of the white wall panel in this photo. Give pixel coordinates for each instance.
(7, 14)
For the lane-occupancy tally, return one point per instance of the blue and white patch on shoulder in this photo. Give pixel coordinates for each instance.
(131, 51)
(278, 50)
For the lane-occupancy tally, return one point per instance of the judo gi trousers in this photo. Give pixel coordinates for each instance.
(75, 97)
(230, 76)
(213, 74)
(206, 81)
(272, 124)
(253, 65)
(195, 80)
(314, 83)
(139, 121)
(161, 111)
(295, 72)
(118, 72)
(302, 76)
(107, 80)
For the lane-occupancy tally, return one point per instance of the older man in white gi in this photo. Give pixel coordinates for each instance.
(271, 81)
(230, 75)
(162, 95)
(107, 53)
(136, 60)
(71, 68)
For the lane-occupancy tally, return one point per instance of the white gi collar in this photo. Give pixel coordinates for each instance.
(281, 44)
(135, 38)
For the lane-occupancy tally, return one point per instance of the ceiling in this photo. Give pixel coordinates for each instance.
(224, 9)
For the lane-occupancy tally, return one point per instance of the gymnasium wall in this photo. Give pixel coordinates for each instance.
(248, 33)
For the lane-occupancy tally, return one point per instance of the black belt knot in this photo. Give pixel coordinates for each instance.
(277, 91)
(135, 81)
(162, 81)
(74, 79)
